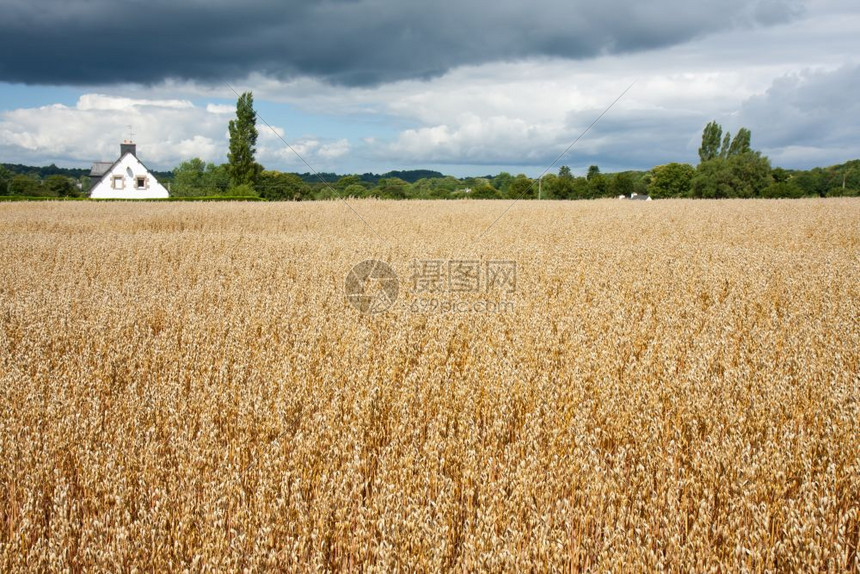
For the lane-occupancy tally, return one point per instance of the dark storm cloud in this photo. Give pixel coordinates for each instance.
(354, 42)
(814, 111)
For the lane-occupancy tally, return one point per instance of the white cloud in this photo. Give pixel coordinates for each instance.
(220, 109)
(100, 102)
(334, 150)
(166, 131)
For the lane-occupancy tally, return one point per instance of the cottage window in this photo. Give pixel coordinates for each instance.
(118, 182)
(141, 182)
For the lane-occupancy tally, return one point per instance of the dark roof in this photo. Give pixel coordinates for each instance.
(639, 197)
(100, 168)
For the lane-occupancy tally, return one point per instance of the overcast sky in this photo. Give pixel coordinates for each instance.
(465, 87)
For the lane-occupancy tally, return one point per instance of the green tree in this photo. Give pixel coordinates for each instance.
(60, 186)
(522, 187)
(274, 186)
(503, 182)
(188, 178)
(671, 180)
(622, 183)
(243, 168)
(780, 175)
(727, 144)
(485, 191)
(712, 180)
(785, 188)
(5, 179)
(711, 137)
(741, 143)
(816, 181)
(243, 190)
(578, 188)
(743, 175)
(750, 173)
(354, 190)
(197, 178)
(346, 181)
(560, 187)
(391, 188)
(548, 187)
(593, 171)
(217, 178)
(25, 185)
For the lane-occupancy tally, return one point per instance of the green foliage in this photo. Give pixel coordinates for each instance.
(25, 185)
(485, 191)
(622, 184)
(441, 187)
(195, 177)
(671, 180)
(503, 182)
(737, 171)
(563, 187)
(60, 186)
(548, 187)
(780, 175)
(823, 182)
(346, 181)
(522, 187)
(243, 169)
(204, 198)
(413, 175)
(391, 188)
(243, 190)
(579, 189)
(741, 143)
(785, 188)
(727, 144)
(5, 180)
(744, 175)
(750, 172)
(596, 182)
(711, 137)
(355, 190)
(40, 173)
(274, 186)
(814, 182)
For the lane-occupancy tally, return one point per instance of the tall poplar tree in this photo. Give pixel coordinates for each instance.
(741, 142)
(711, 138)
(242, 167)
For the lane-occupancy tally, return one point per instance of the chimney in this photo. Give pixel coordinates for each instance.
(127, 147)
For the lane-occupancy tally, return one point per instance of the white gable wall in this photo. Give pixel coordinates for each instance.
(128, 179)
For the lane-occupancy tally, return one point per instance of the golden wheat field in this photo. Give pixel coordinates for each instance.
(660, 386)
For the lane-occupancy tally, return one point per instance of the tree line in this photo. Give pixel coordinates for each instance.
(728, 168)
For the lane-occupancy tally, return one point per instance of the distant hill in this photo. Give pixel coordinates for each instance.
(43, 172)
(413, 175)
(409, 176)
(73, 172)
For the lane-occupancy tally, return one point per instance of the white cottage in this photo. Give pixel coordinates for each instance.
(126, 178)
